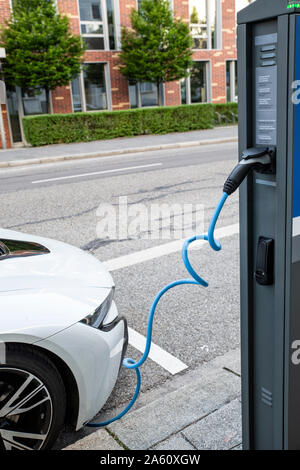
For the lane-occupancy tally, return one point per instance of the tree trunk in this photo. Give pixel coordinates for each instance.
(159, 100)
(49, 107)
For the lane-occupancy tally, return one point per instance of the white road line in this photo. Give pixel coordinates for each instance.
(157, 354)
(164, 249)
(82, 175)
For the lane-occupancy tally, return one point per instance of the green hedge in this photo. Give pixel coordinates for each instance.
(84, 127)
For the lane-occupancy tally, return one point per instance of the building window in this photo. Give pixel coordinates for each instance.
(34, 102)
(134, 97)
(149, 96)
(13, 111)
(198, 81)
(91, 23)
(205, 23)
(231, 81)
(111, 24)
(76, 95)
(95, 87)
(194, 89)
(97, 24)
(89, 90)
(183, 90)
(144, 95)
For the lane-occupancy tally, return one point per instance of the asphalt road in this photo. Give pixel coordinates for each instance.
(61, 201)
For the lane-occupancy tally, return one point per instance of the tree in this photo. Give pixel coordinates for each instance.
(158, 47)
(42, 53)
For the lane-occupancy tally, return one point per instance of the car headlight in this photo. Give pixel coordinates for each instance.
(97, 318)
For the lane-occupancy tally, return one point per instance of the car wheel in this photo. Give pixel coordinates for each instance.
(32, 400)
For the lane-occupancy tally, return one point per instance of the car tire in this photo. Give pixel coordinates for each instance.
(32, 400)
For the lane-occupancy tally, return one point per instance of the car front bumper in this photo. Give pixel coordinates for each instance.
(94, 357)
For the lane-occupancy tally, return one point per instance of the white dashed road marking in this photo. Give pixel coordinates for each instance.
(83, 175)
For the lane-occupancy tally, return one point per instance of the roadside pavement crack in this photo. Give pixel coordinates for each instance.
(99, 243)
(54, 219)
(115, 437)
(234, 447)
(187, 440)
(232, 371)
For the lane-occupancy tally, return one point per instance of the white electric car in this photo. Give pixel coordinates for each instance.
(61, 339)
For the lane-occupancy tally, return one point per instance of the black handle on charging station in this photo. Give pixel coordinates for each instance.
(258, 159)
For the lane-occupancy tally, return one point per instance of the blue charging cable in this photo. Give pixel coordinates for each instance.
(196, 279)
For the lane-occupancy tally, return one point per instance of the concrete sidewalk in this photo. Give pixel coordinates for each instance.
(62, 152)
(198, 410)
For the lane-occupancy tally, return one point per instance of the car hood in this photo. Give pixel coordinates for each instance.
(30, 262)
(46, 286)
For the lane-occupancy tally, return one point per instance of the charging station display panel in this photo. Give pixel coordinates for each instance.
(266, 88)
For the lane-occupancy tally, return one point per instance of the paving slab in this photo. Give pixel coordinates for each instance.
(172, 412)
(99, 440)
(177, 442)
(220, 430)
(161, 415)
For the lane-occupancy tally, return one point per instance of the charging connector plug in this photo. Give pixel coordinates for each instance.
(253, 159)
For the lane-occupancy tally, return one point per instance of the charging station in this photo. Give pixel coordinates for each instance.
(269, 116)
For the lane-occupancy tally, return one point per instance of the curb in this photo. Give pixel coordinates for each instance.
(109, 153)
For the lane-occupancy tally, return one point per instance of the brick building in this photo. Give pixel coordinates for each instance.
(101, 86)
